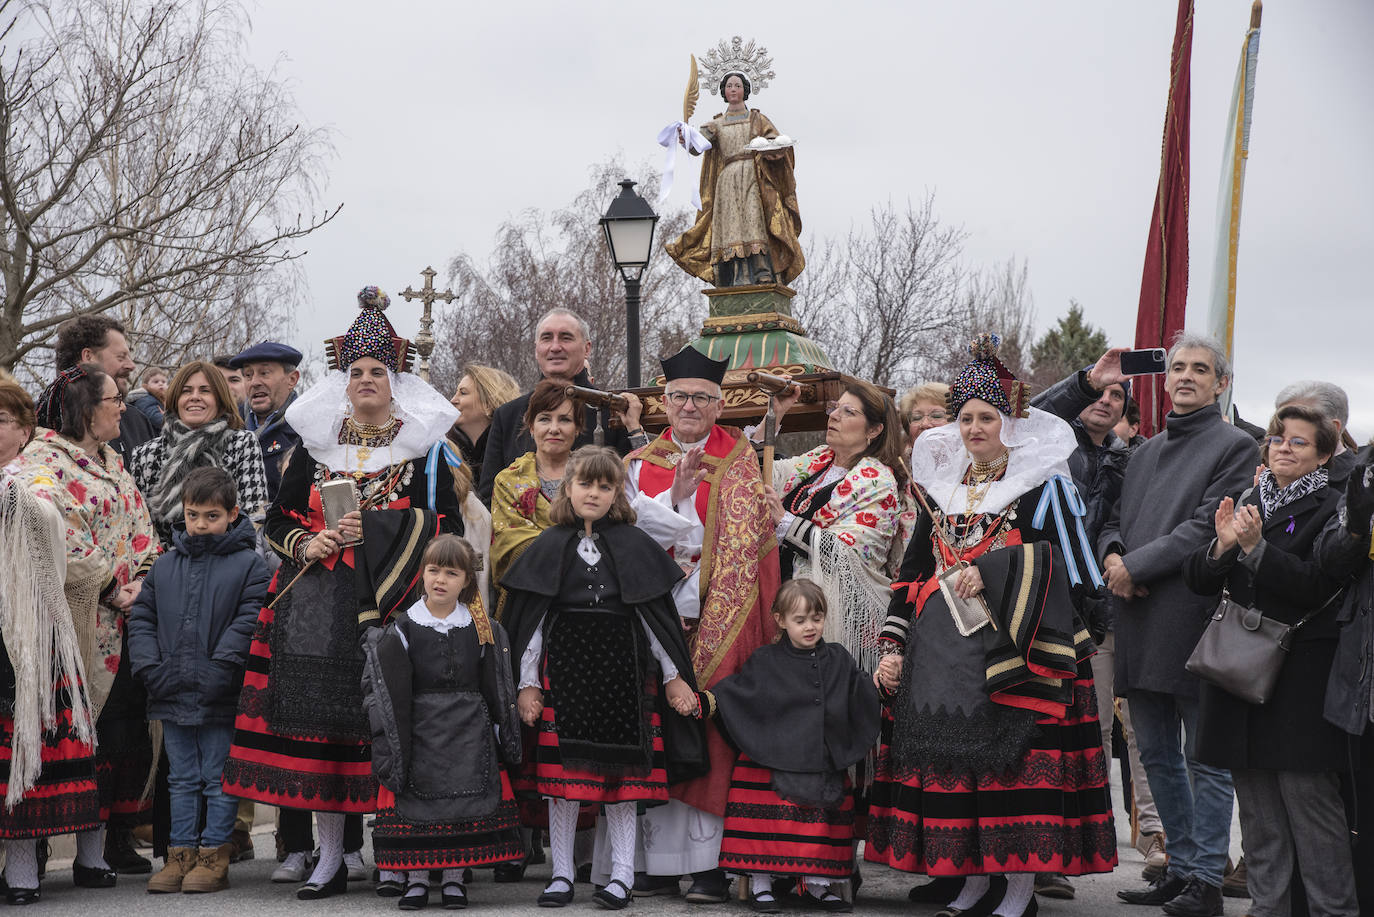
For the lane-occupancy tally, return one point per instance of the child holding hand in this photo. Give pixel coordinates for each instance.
(595, 630)
(189, 632)
(802, 713)
(436, 680)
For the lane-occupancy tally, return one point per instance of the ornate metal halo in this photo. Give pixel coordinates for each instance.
(735, 55)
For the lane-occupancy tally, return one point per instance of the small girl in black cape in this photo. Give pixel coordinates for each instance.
(801, 712)
(435, 683)
(595, 633)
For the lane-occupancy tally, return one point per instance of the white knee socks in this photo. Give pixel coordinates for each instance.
(562, 832)
(21, 863)
(620, 828)
(1020, 889)
(90, 848)
(975, 887)
(330, 829)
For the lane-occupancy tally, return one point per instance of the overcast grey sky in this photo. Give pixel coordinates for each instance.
(1038, 126)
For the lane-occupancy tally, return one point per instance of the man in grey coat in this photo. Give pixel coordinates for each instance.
(1166, 512)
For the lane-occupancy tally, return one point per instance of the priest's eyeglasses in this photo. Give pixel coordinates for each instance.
(701, 400)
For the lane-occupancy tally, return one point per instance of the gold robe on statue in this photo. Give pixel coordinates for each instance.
(748, 202)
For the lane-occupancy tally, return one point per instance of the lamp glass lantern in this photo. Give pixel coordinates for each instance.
(629, 226)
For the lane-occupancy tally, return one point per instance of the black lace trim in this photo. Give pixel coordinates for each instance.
(805, 815)
(51, 815)
(289, 784)
(991, 843)
(993, 741)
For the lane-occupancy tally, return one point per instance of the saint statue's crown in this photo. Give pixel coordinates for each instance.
(736, 57)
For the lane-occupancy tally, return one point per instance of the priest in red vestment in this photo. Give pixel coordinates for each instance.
(698, 492)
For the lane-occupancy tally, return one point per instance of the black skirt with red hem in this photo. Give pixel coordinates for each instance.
(64, 798)
(765, 833)
(404, 844)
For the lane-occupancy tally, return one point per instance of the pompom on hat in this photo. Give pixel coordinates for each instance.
(371, 335)
(987, 379)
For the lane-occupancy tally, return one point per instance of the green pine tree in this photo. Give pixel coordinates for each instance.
(1069, 346)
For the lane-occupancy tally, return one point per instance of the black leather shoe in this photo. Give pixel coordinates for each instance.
(612, 899)
(390, 888)
(557, 898)
(337, 885)
(1197, 900)
(508, 872)
(764, 903)
(984, 906)
(416, 897)
(647, 886)
(455, 896)
(121, 855)
(93, 876)
(937, 891)
(709, 887)
(1165, 890)
(21, 896)
(829, 902)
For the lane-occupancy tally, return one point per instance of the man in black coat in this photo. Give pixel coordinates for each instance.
(1166, 512)
(101, 340)
(561, 348)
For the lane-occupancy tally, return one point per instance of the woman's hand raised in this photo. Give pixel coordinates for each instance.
(1226, 533)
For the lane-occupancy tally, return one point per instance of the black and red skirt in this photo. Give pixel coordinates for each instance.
(64, 799)
(402, 844)
(1049, 812)
(765, 833)
(319, 773)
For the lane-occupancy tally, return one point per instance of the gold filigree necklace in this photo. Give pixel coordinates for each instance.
(981, 477)
(366, 436)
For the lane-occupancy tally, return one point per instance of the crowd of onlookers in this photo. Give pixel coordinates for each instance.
(196, 576)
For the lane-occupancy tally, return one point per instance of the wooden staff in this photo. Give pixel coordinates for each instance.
(598, 399)
(776, 385)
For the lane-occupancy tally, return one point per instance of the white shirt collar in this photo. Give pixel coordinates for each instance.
(420, 614)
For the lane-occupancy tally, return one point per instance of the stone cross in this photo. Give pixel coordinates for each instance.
(424, 341)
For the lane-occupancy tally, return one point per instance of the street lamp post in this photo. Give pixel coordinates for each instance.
(629, 226)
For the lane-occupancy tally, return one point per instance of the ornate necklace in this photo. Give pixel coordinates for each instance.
(366, 436)
(981, 477)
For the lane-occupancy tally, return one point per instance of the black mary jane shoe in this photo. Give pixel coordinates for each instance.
(830, 902)
(508, 872)
(610, 900)
(556, 899)
(390, 888)
(454, 896)
(93, 876)
(337, 885)
(21, 896)
(764, 903)
(414, 902)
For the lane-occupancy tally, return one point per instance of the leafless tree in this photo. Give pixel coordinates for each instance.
(541, 261)
(146, 167)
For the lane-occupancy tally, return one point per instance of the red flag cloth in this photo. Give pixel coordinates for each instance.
(1164, 285)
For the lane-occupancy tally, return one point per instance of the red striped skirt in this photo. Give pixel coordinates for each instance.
(1050, 813)
(400, 843)
(299, 772)
(64, 798)
(544, 774)
(765, 833)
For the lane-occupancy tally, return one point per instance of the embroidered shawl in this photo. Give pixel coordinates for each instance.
(519, 512)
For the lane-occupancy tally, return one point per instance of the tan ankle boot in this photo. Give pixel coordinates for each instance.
(180, 861)
(212, 870)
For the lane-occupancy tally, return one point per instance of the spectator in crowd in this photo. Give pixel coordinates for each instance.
(101, 340)
(1332, 403)
(202, 429)
(110, 543)
(1285, 760)
(1173, 486)
(562, 346)
(224, 362)
(481, 390)
(270, 376)
(923, 408)
(1127, 429)
(150, 396)
(47, 762)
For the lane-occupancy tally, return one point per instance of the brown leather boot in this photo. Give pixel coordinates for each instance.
(212, 870)
(180, 861)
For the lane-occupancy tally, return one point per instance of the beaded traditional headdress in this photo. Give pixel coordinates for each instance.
(751, 62)
(371, 335)
(986, 378)
(48, 412)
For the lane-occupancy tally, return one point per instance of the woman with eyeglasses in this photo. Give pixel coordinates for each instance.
(923, 408)
(1285, 759)
(110, 545)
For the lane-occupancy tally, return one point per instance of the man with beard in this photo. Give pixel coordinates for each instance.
(101, 340)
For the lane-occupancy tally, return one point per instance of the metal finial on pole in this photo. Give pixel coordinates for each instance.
(424, 341)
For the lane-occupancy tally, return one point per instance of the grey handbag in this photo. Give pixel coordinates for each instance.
(1242, 651)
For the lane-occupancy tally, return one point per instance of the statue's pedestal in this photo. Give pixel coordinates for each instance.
(753, 329)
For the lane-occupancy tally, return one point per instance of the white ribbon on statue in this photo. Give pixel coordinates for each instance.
(667, 138)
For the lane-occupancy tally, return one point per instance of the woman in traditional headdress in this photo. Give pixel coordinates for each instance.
(48, 760)
(746, 231)
(110, 544)
(996, 765)
(301, 739)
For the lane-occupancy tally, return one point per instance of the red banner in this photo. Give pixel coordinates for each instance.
(1164, 284)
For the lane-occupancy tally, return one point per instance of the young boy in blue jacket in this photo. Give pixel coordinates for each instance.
(189, 633)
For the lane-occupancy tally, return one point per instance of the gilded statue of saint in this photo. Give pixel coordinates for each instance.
(746, 231)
